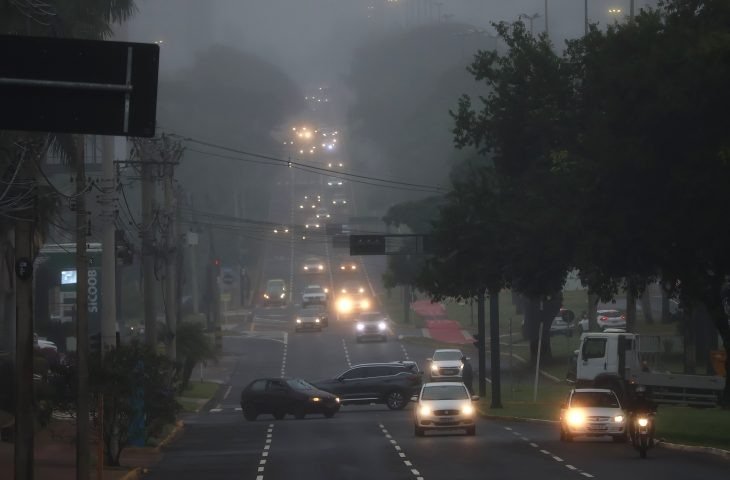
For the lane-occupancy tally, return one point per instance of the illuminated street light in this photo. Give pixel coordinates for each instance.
(614, 11)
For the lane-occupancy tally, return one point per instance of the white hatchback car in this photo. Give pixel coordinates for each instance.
(593, 412)
(446, 365)
(444, 406)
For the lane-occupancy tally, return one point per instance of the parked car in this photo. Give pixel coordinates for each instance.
(593, 412)
(371, 325)
(561, 327)
(392, 384)
(275, 292)
(286, 396)
(445, 365)
(314, 295)
(605, 319)
(444, 406)
(307, 319)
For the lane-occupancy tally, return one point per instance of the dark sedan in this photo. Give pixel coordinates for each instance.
(282, 396)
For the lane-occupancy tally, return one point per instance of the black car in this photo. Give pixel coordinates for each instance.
(320, 310)
(390, 383)
(282, 396)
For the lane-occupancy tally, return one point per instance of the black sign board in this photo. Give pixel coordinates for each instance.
(397, 244)
(367, 245)
(78, 86)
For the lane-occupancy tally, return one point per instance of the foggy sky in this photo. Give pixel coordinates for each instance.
(312, 40)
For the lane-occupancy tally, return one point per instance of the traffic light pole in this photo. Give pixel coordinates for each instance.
(494, 340)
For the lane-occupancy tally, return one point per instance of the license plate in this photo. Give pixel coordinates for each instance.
(597, 427)
(446, 419)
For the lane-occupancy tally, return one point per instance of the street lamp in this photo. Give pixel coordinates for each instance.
(614, 11)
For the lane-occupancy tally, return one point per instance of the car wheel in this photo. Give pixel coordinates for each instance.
(299, 413)
(419, 431)
(250, 413)
(471, 431)
(396, 400)
(330, 413)
(279, 414)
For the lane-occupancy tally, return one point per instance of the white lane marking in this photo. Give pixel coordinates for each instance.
(405, 352)
(557, 459)
(408, 463)
(265, 454)
(524, 438)
(266, 447)
(387, 435)
(397, 447)
(393, 442)
(545, 452)
(238, 409)
(228, 391)
(516, 433)
(488, 379)
(570, 467)
(261, 469)
(534, 444)
(414, 471)
(586, 474)
(402, 455)
(507, 428)
(347, 354)
(216, 410)
(259, 477)
(262, 462)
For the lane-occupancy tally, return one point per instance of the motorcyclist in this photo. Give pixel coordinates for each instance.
(467, 374)
(639, 405)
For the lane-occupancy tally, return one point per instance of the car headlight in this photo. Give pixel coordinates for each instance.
(342, 267)
(326, 290)
(618, 419)
(266, 296)
(360, 327)
(354, 267)
(320, 267)
(467, 409)
(575, 418)
(643, 422)
(306, 267)
(424, 410)
(282, 295)
(365, 304)
(344, 305)
(337, 399)
(361, 290)
(316, 320)
(434, 368)
(299, 320)
(316, 399)
(382, 326)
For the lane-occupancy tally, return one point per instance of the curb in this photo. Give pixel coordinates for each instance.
(719, 452)
(179, 426)
(133, 474)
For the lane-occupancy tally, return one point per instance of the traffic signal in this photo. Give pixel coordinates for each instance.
(367, 245)
(216, 266)
(477, 340)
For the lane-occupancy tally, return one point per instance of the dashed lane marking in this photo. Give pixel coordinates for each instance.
(546, 452)
(570, 467)
(399, 450)
(265, 453)
(228, 392)
(405, 352)
(557, 459)
(347, 353)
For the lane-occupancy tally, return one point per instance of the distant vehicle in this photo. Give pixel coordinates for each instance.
(352, 298)
(348, 266)
(307, 319)
(275, 292)
(561, 327)
(314, 295)
(593, 412)
(605, 319)
(320, 310)
(390, 383)
(313, 265)
(335, 182)
(339, 199)
(445, 365)
(312, 223)
(286, 396)
(371, 325)
(322, 213)
(444, 406)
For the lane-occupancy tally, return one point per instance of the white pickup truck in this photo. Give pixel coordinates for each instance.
(314, 295)
(614, 360)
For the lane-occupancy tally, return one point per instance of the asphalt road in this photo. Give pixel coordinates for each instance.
(371, 442)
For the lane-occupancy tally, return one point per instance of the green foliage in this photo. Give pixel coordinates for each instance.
(134, 380)
(193, 347)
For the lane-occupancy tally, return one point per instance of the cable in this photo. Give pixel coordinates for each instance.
(311, 168)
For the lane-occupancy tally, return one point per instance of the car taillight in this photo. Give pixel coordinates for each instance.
(602, 319)
(623, 317)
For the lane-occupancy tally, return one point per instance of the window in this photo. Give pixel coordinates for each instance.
(277, 385)
(445, 392)
(258, 386)
(359, 372)
(381, 371)
(594, 399)
(298, 384)
(594, 348)
(447, 355)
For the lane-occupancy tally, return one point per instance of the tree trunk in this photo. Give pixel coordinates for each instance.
(646, 306)
(666, 314)
(630, 307)
(720, 319)
(541, 312)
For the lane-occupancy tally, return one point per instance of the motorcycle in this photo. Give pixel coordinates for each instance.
(642, 437)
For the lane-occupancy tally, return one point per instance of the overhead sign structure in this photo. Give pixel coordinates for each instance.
(78, 86)
(390, 244)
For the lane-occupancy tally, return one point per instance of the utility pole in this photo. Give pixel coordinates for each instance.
(192, 242)
(547, 27)
(24, 418)
(82, 317)
(585, 11)
(631, 10)
(494, 341)
(148, 244)
(170, 297)
(482, 345)
(108, 251)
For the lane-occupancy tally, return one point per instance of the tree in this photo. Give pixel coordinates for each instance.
(523, 124)
(193, 347)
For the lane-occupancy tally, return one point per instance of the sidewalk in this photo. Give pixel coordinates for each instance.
(55, 455)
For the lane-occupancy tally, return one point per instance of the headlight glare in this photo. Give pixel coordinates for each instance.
(643, 422)
(618, 418)
(299, 320)
(360, 327)
(434, 368)
(424, 410)
(467, 409)
(316, 399)
(575, 418)
(382, 326)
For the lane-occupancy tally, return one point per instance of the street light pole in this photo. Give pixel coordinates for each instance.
(547, 28)
(585, 4)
